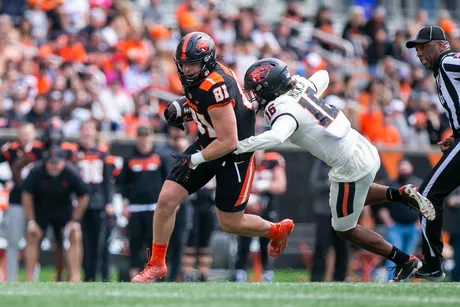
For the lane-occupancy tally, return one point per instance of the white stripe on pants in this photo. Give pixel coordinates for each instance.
(15, 230)
(430, 184)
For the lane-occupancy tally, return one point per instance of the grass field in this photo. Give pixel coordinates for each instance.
(230, 294)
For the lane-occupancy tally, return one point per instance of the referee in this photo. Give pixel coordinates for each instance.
(433, 51)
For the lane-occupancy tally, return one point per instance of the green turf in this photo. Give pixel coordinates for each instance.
(283, 275)
(230, 294)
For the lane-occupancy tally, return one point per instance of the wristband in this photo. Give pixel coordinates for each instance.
(197, 158)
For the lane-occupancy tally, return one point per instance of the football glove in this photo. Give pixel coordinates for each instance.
(181, 170)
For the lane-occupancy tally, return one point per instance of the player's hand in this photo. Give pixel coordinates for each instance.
(446, 143)
(183, 168)
(173, 120)
(34, 229)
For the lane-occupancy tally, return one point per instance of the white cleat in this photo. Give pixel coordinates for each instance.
(417, 202)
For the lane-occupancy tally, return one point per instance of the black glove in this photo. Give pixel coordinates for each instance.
(173, 120)
(181, 171)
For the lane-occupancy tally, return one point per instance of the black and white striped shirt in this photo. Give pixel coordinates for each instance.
(447, 74)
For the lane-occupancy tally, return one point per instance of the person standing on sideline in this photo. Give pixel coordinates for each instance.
(325, 234)
(402, 224)
(433, 51)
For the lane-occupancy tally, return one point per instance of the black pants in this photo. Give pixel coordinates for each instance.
(108, 225)
(325, 238)
(202, 227)
(140, 230)
(442, 180)
(244, 244)
(176, 244)
(92, 225)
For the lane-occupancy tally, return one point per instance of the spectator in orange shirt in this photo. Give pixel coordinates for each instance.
(189, 16)
(388, 135)
(71, 49)
(135, 48)
(371, 122)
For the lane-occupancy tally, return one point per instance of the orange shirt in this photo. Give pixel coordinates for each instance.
(73, 53)
(389, 135)
(371, 125)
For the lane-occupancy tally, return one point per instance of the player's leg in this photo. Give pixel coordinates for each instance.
(406, 194)
(394, 235)
(270, 214)
(176, 244)
(242, 259)
(346, 202)
(15, 225)
(322, 243)
(190, 253)
(441, 181)
(233, 189)
(171, 196)
(73, 246)
(91, 229)
(135, 242)
(34, 235)
(108, 223)
(341, 257)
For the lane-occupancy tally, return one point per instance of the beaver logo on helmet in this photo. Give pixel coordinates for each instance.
(203, 45)
(260, 73)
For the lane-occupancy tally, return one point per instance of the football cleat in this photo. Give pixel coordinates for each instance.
(431, 271)
(151, 271)
(407, 270)
(277, 246)
(417, 201)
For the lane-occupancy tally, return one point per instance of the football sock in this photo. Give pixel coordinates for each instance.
(397, 256)
(158, 253)
(274, 232)
(394, 195)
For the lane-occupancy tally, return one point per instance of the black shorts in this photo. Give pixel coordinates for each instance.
(233, 179)
(57, 222)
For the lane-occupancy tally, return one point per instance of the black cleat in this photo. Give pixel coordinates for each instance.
(407, 270)
(417, 201)
(429, 272)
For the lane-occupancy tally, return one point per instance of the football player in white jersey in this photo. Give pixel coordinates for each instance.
(295, 110)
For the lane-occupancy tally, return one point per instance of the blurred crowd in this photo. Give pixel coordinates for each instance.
(110, 62)
(107, 60)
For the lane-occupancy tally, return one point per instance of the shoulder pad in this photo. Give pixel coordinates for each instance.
(211, 80)
(39, 145)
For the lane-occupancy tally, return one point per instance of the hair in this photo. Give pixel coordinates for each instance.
(89, 121)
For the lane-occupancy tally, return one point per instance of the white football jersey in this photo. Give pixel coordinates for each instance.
(324, 131)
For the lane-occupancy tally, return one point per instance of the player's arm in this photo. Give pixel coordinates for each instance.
(224, 123)
(282, 128)
(320, 81)
(27, 198)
